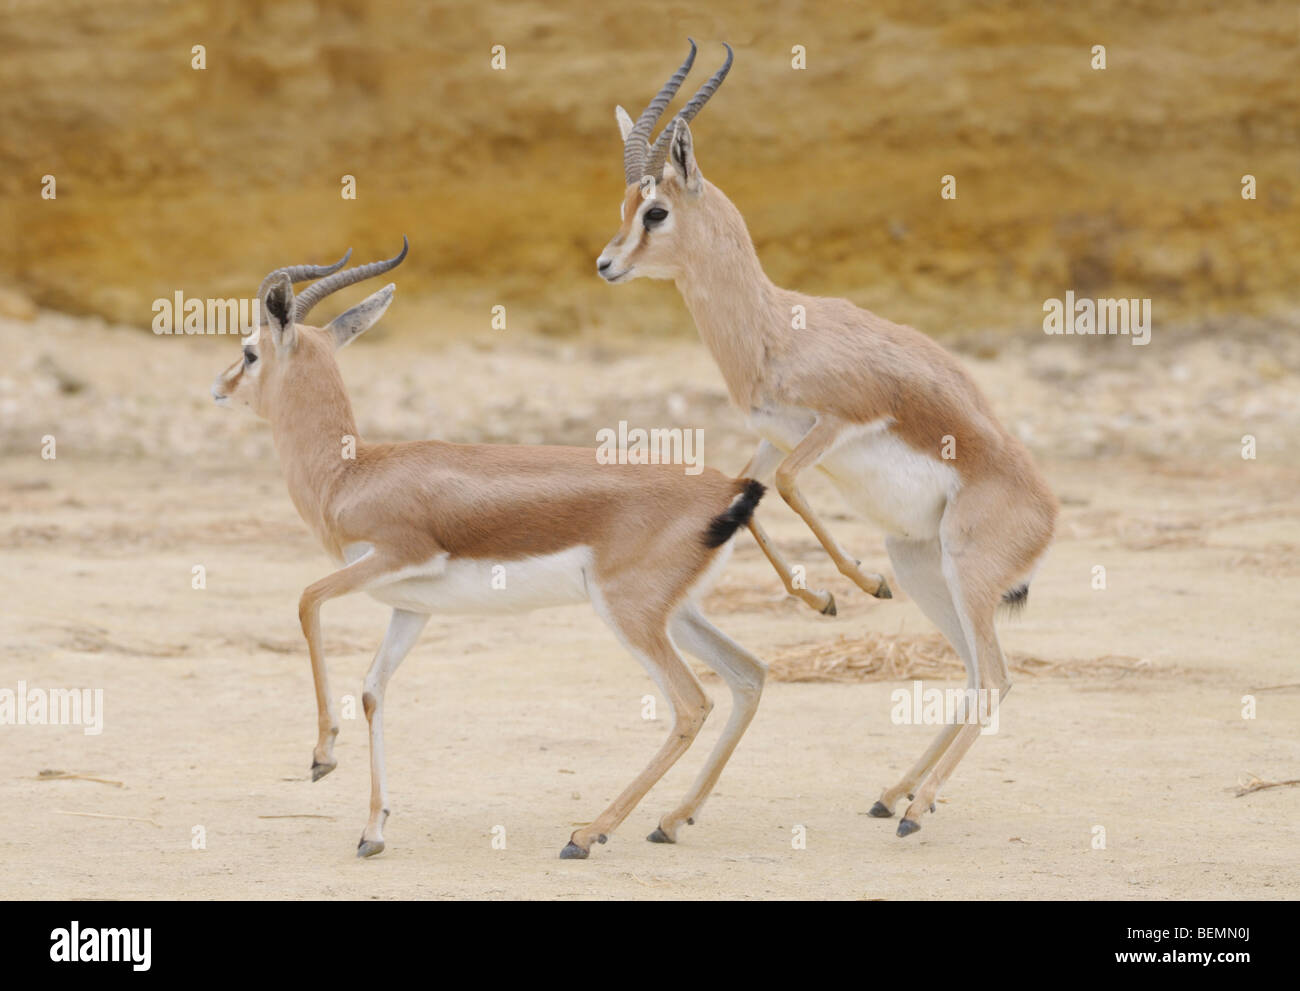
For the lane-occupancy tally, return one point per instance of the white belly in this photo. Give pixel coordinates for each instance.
(901, 490)
(475, 585)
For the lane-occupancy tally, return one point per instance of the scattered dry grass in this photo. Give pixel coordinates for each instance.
(1251, 782)
(885, 657)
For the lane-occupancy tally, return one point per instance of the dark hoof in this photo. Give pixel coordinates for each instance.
(368, 848)
(880, 811)
(573, 852)
(883, 592)
(830, 607)
(910, 796)
(931, 806)
(690, 820)
(906, 827)
(659, 836)
(319, 770)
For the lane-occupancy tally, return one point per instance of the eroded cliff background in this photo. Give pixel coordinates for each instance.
(1122, 181)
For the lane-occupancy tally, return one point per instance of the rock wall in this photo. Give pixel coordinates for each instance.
(1122, 181)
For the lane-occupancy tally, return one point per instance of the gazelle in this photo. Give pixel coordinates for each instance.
(891, 418)
(426, 527)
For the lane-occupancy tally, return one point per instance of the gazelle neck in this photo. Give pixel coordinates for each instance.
(735, 305)
(315, 436)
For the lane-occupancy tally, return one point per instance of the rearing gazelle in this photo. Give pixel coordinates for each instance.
(891, 418)
(424, 526)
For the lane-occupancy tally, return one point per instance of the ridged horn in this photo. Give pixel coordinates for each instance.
(317, 291)
(301, 273)
(638, 141)
(659, 152)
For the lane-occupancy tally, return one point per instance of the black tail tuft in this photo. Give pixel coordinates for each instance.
(722, 527)
(1016, 599)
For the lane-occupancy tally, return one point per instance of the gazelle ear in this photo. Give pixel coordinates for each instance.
(277, 304)
(681, 155)
(625, 124)
(350, 324)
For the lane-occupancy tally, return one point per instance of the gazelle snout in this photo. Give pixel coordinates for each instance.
(605, 267)
(219, 396)
(610, 267)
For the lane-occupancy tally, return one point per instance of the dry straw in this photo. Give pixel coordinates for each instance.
(896, 657)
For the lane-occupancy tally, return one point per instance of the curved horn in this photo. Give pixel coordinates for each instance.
(317, 291)
(659, 153)
(300, 273)
(638, 141)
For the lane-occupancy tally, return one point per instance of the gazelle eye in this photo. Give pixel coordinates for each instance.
(655, 215)
(249, 357)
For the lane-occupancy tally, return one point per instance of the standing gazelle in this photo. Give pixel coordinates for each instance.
(891, 418)
(430, 526)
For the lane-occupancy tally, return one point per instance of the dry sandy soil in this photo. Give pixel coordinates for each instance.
(1126, 714)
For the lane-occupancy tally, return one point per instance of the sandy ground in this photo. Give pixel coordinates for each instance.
(532, 724)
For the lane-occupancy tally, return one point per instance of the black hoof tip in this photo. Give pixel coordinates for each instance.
(573, 852)
(906, 827)
(883, 592)
(830, 607)
(931, 806)
(319, 770)
(690, 821)
(602, 838)
(880, 811)
(659, 836)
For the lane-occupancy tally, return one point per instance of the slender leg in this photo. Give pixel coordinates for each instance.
(403, 630)
(744, 674)
(760, 467)
(823, 602)
(805, 455)
(919, 567)
(363, 572)
(978, 564)
(690, 708)
(993, 679)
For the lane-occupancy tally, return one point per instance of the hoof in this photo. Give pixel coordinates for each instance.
(659, 836)
(573, 852)
(906, 827)
(883, 592)
(319, 770)
(368, 848)
(880, 811)
(910, 796)
(830, 606)
(931, 806)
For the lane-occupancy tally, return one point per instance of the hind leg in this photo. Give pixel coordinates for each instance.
(744, 674)
(651, 645)
(918, 565)
(979, 561)
(994, 684)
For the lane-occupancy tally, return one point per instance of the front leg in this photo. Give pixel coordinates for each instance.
(363, 572)
(806, 454)
(403, 630)
(760, 467)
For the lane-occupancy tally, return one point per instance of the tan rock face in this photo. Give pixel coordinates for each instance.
(1123, 181)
